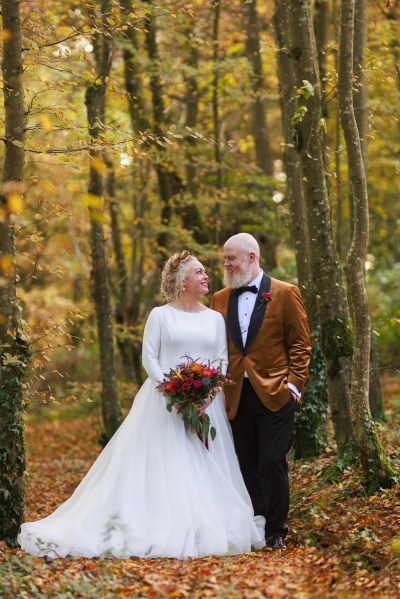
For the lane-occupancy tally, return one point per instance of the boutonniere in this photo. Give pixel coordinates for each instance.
(264, 299)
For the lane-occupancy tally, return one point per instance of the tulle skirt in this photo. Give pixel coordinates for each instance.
(154, 491)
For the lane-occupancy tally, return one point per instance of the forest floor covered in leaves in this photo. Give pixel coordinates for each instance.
(342, 543)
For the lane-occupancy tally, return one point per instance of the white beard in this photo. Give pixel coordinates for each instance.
(236, 279)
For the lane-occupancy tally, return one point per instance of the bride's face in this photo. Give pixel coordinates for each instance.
(195, 281)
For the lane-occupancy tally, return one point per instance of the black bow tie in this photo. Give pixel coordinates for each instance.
(251, 288)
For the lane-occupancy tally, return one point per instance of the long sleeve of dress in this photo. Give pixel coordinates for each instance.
(221, 347)
(151, 347)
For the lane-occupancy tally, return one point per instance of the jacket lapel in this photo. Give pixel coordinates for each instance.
(259, 310)
(233, 321)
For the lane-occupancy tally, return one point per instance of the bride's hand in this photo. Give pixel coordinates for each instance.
(205, 405)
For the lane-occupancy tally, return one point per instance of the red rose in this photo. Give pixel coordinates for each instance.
(169, 386)
(196, 383)
(264, 299)
(186, 386)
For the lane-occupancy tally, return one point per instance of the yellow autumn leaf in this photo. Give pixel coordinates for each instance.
(15, 203)
(91, 200)
(98, 165)
(45, 121)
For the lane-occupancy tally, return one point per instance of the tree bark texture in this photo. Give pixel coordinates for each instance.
(259, 125)
(132, 74)
(216, 5)
(327, 275)
(186, 205)
(95, 105)
(260, 131)
(360, 101)
(310, 430)
(165, 177)
(321, 19)
(376, 466)
(14, 351)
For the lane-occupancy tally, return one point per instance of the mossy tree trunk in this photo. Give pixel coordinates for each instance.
(374, 461)
(308, 133)
(14, 352)
(310, 429)
(95, 106)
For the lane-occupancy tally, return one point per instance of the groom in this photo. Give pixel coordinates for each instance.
(269, 353)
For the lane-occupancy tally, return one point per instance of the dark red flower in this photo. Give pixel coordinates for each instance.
(264, 299)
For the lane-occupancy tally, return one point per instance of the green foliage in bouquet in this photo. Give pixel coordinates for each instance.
(189, 388)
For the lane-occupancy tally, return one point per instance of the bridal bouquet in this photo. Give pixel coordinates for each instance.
(188, 387)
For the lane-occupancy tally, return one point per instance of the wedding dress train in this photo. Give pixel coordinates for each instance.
(156, 490)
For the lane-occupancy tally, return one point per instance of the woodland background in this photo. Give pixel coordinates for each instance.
(151, 127)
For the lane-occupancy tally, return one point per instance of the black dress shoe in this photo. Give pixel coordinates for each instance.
(275, 542)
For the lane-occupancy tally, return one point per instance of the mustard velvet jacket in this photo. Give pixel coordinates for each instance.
(278, 346)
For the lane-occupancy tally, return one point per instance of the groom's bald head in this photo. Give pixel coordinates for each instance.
(244, 242)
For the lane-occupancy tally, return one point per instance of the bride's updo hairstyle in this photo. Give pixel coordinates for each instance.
(173, 273)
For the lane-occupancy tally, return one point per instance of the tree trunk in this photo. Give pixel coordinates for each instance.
(327, 275)
(192, 111)
(14, 352)
(377, 469)
(163, 174)
(187, 207)
(259, 126)
(321, 14)
(132, 76)
(95, 105)
(310, 429)
(360, 100)
(120, 287)
(260, 131)
(216, 5)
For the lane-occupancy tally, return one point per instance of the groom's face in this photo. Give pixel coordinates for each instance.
(237, 266)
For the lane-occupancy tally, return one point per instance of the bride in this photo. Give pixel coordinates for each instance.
(156, 490)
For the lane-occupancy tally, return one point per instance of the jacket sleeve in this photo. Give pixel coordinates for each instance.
(297, 336)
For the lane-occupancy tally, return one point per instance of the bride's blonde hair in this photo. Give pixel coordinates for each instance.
(173, 274)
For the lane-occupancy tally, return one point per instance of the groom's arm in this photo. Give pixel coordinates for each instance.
(297, 338)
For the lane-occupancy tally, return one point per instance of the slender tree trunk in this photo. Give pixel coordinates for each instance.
(259, 125)
(120, 287)
(341, 236)
(216, 14)
(258, 116)
(373, 458)
(327, 275)
(321, 19)
(360, 100)
(186, 206)
(95, 105)
(310, 430)
(132, 74)
(215, 98)
(163, 173)
(14, 352)
(192, 111)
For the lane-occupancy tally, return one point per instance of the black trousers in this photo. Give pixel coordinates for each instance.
(262, 440)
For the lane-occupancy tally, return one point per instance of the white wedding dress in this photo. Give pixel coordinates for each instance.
(155, 490)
